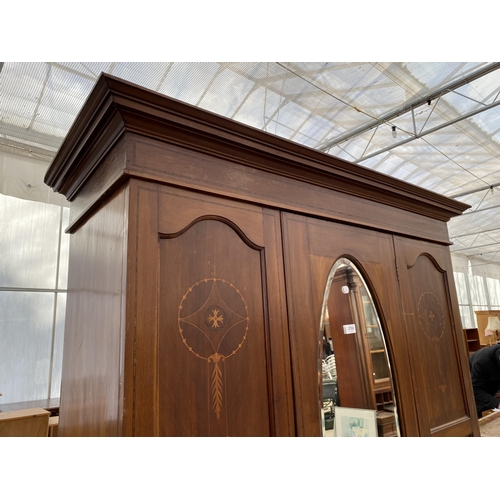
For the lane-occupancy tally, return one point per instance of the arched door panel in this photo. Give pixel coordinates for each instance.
(311, 248)
(437, 351)
(209, 346)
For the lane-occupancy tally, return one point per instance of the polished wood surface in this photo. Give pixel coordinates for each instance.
(438, 356)
(49, 404)
(116, 109)
(213, 344)
(179, 239)
(164, 194)
(53, 426)
(92, 375)
(195, 169)
(31, 422)
(471, 336)
(311, 248)
(417, 363)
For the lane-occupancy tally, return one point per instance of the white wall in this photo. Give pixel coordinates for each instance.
(33, 275)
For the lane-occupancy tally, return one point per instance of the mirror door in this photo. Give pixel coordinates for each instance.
(356, 384)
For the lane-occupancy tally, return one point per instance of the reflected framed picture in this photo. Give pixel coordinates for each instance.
(355, 422)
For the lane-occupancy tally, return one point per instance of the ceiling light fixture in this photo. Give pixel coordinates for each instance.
(394, 132)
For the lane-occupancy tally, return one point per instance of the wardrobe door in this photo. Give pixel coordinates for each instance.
(440, 372)
(311, 249)
(218, 364)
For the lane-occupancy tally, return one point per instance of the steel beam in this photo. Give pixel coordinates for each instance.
(413, 104)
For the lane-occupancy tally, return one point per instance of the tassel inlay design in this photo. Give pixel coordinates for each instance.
(213, 323)
(431, 317)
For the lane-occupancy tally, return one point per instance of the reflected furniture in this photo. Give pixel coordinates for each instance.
(199, 255)
(386, 425)
(364, 378)
(329, 390)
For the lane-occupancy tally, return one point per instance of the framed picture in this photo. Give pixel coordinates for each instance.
(355, 422)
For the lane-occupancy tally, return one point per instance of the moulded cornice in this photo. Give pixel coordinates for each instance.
(116, 106)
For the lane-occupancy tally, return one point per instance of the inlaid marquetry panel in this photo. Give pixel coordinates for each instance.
(213, 369)
(434, 346)
(433, 342)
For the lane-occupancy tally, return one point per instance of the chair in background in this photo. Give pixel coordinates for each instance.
(330, 393)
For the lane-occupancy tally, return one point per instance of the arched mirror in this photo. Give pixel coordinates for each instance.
(357, 392)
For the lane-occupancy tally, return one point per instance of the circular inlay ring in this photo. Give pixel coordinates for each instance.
(215, 317)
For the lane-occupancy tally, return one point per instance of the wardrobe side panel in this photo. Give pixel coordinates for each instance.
(92, 374)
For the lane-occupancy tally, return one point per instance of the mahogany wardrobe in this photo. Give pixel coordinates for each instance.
(202, 262)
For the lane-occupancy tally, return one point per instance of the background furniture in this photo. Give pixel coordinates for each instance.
(49, 404)
(53, 426)
(472, 339)
(482, 322)
(200, 252)
(32, 422)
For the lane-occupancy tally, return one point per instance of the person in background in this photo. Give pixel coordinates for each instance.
(485, 374)
(327, 350)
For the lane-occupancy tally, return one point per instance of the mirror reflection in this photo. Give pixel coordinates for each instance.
(357, 395)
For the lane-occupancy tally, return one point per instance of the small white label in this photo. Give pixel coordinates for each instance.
(349, 329)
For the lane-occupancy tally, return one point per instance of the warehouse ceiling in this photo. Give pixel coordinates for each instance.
(435, 125)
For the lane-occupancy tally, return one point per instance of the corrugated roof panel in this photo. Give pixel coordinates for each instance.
(258, 108)
(21, 85)
(262, 73)
(62, 97)
(53, 122)
(16, 111)
(226, 93)
(290, 85)
(188, 81)
(356, 147)
(279, 129)
(338, 152)
(434, 75)
(89, 69)
(488, 171)
(484, 89)
(22, 140)
(460, 103)
(346, 80)
(67, 91)
(146, 74)
(489, 121)
(305, 140)
(317, 128)
(291, 115)
(384, 163)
